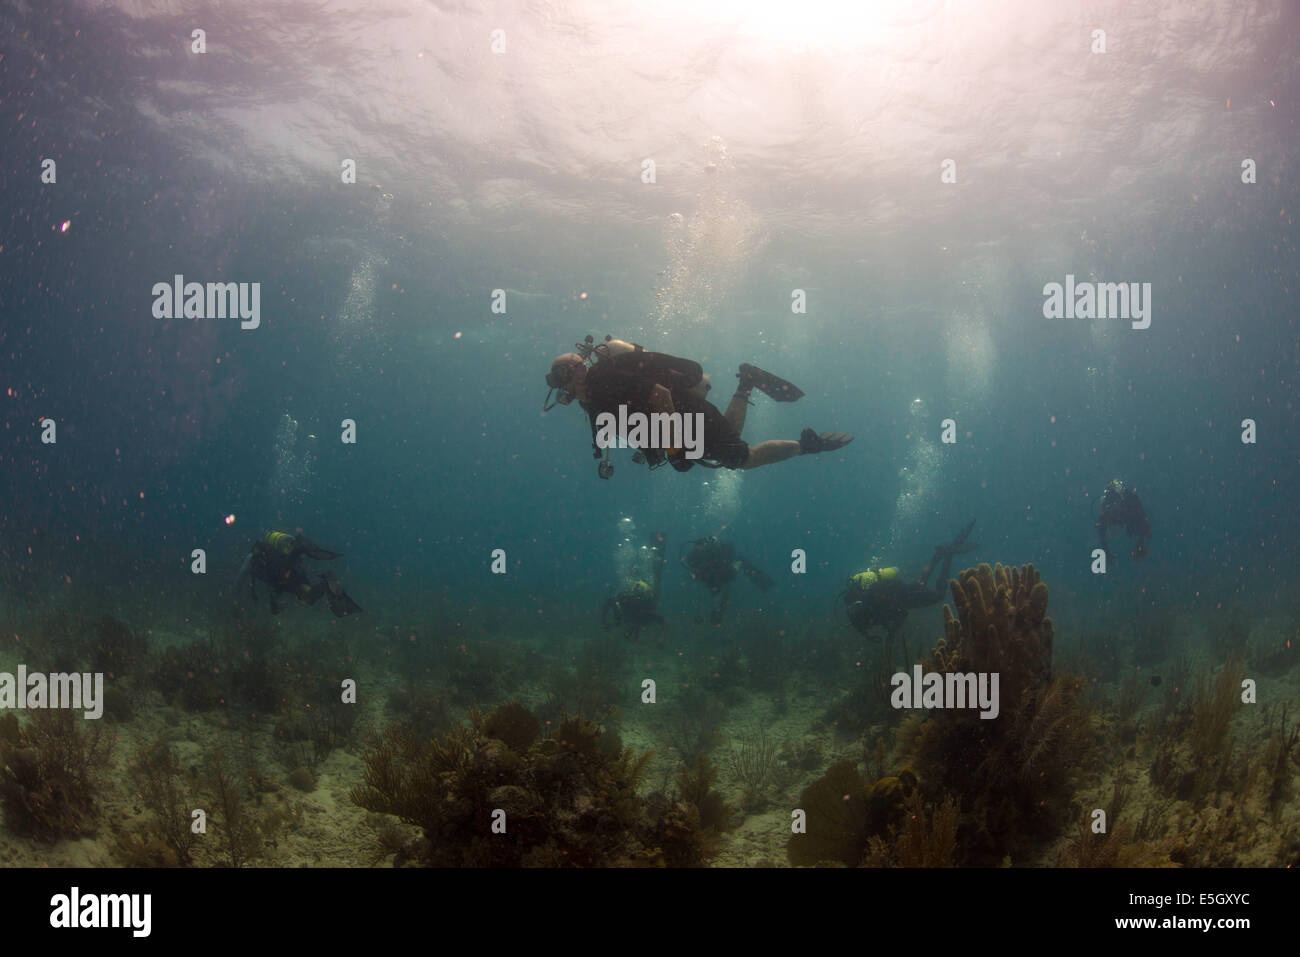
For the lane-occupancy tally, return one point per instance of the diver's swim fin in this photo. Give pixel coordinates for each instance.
(338, 599)
(756, 575)
(774, 387)
(810, 442)
(312, 550)
(959, 544)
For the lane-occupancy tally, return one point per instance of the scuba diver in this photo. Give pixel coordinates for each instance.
(880, 599)
(1121, 506)
(714, 565)
(276, 560)
(604, 377)
(636, 605)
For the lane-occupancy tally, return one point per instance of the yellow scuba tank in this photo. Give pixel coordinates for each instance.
(281, 542)
(863, 580)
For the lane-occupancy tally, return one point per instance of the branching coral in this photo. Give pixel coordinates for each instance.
(242, 834)
(50, 771)
(691, 722)
(1194, 754)
(1277, 762)
(925, 839)
(752, 760)
(165, 791)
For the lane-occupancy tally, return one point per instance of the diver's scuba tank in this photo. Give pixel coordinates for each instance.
(281, 542)
(864, 581)
(592, 351)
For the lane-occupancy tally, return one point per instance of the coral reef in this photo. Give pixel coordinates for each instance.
(425, 712)
(867, 703)
(752, 761)
(117, 650)
(566, 800)
(691, 722)
(836, 832)
(302, 779)
(50, 772)
(695, 788)
(190, 677)
(1014, 776)
(167, 794)
(1128, 703)
(1121, 844)
(925, 839)
(852, 822)
(243, 834)
(591, 685)
(1194, 754)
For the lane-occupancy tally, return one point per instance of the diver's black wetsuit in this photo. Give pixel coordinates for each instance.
(714, 565)
(885, 603)
(636, 608)
(276, 560)
(1124, 508)
(629, 379)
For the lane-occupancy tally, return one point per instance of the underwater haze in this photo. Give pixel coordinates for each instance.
(902, 207)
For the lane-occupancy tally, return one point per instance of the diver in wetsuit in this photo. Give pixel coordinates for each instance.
(1121, 506)
(276, 560)
(714, 564)
(636, 606)
(880, 599)
(615, 373)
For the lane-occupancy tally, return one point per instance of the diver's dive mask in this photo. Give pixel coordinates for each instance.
(563, 397)
(559, 380)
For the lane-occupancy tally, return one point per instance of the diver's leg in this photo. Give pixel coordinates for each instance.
(924, 578)
(944, 576)
(891, 637)
(310, 594)
(737, 408)
(778, 450)
(771, 451)
(721, 608)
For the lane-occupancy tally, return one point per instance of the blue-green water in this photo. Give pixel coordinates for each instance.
(801, 151)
